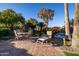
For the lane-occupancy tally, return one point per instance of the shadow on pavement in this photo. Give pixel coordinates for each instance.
(7, 49)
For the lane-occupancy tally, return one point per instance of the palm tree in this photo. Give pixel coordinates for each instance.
(41, 24)
(67, 24)
(46, 14)
(40, 27)
(75, 38)
(31, 24)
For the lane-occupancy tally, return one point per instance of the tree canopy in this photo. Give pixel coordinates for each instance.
(9, 17)
(46, 14)
(31, 23)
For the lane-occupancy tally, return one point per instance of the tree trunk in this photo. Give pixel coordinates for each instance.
(75, 38)
(67, 23)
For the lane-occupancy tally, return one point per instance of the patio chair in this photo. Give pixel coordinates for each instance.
(42, 39)
(18, 36)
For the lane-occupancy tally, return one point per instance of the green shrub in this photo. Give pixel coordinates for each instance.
(6, 32)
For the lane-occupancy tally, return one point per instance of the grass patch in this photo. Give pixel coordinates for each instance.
(70, 54)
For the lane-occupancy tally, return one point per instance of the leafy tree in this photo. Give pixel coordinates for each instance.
(10, 18)
(0, 18)
(46, 14)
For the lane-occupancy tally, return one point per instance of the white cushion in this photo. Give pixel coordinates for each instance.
(41, 39)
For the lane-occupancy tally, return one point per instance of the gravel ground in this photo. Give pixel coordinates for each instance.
(28, 48)
(70, 49)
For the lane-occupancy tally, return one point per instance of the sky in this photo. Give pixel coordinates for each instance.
(30, 10)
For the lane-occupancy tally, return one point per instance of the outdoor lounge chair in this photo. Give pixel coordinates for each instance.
(42, 39)
(19, 35)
